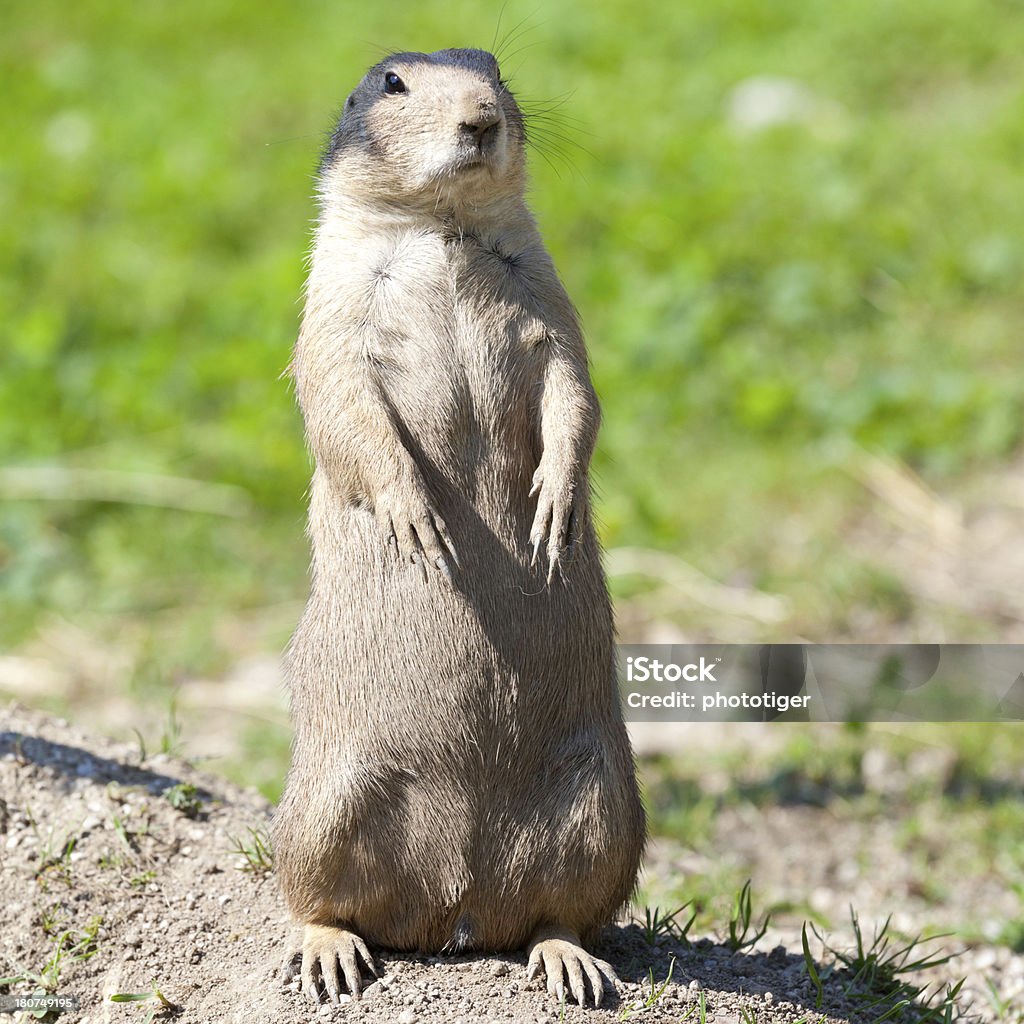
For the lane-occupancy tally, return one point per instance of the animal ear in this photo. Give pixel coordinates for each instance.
(351, 101)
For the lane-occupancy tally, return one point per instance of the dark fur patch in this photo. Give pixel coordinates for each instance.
(461, 940)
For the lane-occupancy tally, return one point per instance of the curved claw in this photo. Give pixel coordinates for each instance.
(446, 540)
(562, 958)
(536, 549)
(553, 564)
(324, 950)
(416, 533)
(559, 521)
(417, 559)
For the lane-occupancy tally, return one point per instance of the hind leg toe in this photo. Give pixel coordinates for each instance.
(559, 955)
(325, 949)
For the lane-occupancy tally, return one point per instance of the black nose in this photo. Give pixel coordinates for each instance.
(478, 128)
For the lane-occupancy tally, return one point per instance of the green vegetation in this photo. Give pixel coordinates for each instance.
(184, 797)
(256, 855)
(652, 998)
(883, 976)
(55, 849)
(160, 1007)
(760, 303)
(69, 946)
(939, 810)
(699, 1010)
(880, 974)
(665, 925)
(743, 933)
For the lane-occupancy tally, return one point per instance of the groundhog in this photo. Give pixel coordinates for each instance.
(461, 776)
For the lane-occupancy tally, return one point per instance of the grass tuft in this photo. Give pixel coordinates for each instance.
(741, 923)
(256, 853)
(69, 946)
(184, 797)
(160, 1004)
(654, 995)
(882, 976)
(659, 924)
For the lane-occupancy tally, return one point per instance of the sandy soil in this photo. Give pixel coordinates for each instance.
(97, 863)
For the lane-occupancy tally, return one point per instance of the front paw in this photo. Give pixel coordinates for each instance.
(413, 528)
(562, 508)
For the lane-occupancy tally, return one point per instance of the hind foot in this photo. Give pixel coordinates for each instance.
(323, 949)
(559, 954)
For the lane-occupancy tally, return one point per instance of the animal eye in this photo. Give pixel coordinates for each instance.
(393, 84)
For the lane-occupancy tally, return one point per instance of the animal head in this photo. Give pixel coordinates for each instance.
(428, 129)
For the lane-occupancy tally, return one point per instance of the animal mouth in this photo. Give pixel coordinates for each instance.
(470, 161)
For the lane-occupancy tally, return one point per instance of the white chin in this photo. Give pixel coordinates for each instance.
(453, 166)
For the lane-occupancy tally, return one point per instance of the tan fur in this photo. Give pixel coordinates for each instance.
(461, 776)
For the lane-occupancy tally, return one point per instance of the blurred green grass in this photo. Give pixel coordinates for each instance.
(759, 303)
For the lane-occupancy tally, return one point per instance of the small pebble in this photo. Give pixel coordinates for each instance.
(407, 1017)
(985, 958)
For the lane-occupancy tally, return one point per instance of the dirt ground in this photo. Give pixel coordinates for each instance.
(110, 889)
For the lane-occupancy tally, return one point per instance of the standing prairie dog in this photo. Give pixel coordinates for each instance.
(461, 776)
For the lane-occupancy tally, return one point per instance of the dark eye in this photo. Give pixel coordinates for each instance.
(393, 84)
